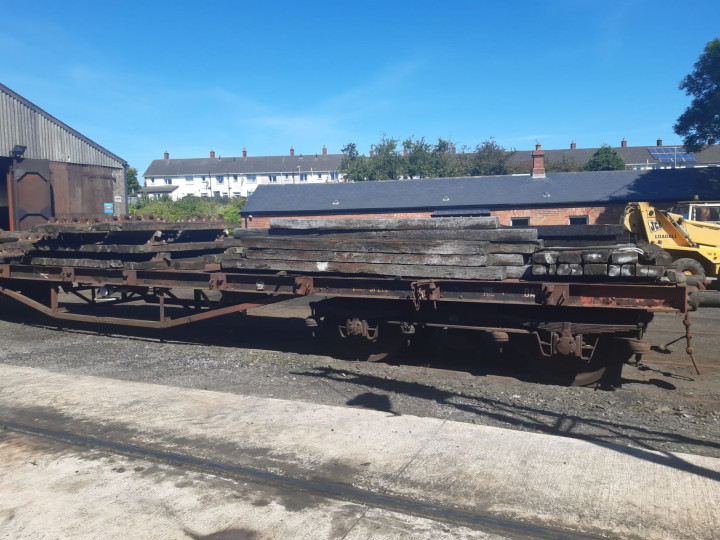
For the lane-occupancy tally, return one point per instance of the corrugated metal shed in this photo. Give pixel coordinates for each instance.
(46, 137)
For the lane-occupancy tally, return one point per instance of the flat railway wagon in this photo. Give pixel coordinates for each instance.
(387, 282)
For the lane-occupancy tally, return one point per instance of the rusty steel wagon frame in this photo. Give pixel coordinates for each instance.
(570, 320)
(30, 284)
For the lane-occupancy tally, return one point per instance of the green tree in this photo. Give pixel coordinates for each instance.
(232, 212)
(489, 159)
(701, 120)
(353, 166)
(387, 163)
(131, 180)
(605, 159)
(564, 165)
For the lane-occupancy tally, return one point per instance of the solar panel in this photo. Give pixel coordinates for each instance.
(672, 155)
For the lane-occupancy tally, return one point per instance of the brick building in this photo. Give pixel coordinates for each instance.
(518, 200)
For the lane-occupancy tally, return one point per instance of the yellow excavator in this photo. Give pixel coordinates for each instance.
(690, 232)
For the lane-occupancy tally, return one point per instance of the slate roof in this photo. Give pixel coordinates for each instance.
(556, 189)
(158, 189)
(244, 165)
(630, 154)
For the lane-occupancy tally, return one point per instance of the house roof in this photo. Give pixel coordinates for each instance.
(244, 165)
(158, 189)
(630, 154)
(556, 189)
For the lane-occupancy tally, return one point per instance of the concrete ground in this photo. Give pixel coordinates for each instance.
(89, 457)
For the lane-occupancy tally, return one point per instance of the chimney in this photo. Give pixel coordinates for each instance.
(659, 142)
(623, 143)
(572, 145)
(372, 152)
(405, 152)
(167, 155)
(538, 158)
(292, 151)
(452, 148)
(244, 152)
(212, 154)
(324, 150)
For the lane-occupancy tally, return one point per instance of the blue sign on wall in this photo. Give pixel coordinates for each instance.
(108, 207)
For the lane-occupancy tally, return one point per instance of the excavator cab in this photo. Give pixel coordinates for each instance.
(698, 211)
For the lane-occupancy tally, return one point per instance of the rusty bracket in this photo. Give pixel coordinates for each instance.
(304, 286)
(553, 294)
(424, 290)
(67, 273)
(217, 281)
(130, 277)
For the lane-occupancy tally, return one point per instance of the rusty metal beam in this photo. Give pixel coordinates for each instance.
(164, 322)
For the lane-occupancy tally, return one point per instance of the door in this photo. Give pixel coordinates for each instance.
(32, 193)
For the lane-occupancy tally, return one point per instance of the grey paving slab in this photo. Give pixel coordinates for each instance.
(569, 484)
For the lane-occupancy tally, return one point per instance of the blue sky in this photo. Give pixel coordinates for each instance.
(140, 78)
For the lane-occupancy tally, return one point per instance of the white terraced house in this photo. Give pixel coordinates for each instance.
(236, 176)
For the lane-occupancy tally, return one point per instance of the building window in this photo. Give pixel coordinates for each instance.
(189, 178)
(219, 179)
(578, 220)
(168, 181)
(204, 178)
(216, 193)
(250, 192)
(252, 178)
(334, 176)
(152, 180)
(520, 222)
(273, 177)
(319, 175)
(235, 178)
(303, 177)
(287, 176)
(236, 194)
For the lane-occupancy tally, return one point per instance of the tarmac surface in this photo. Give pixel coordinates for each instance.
(89, 457)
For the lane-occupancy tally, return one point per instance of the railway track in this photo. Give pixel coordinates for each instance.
(476, 520)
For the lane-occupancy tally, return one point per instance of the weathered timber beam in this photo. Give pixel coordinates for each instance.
(381, 245)
(490, 273)
(491, 235)
(492, 222)
(131, 226)
(130, 248)
(78, 263)
(374, 258)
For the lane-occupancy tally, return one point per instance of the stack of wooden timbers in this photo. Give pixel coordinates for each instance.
(132, 243)
(440, 248)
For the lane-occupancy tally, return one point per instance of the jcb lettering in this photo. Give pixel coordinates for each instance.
(654, 225)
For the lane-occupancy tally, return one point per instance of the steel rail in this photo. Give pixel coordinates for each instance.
(516, 529)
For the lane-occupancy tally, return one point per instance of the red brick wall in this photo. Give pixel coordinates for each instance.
(600, 215)
(603, 215)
